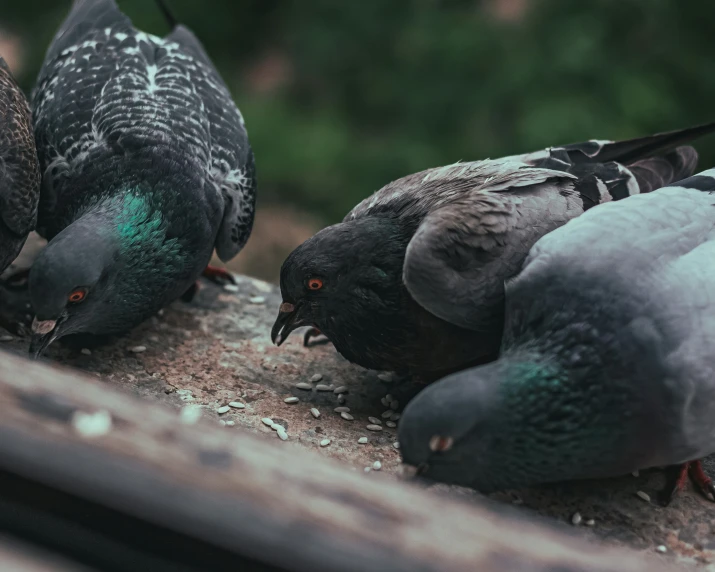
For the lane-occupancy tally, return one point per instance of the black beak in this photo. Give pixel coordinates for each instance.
(44, 332)
(288, 320)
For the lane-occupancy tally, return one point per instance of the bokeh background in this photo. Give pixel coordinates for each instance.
(341, 97)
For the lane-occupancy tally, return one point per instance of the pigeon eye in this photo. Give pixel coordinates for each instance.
(315, 284)
(439, 444)
(78, 295)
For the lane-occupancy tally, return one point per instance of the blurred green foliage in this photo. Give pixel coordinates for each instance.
(376, 89)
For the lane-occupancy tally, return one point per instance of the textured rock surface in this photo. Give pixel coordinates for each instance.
(217, 350)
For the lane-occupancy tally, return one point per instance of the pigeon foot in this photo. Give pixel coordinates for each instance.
(218, 275)
(677, 476)
(314, 333)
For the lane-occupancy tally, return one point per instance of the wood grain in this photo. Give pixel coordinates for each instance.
(154, 490)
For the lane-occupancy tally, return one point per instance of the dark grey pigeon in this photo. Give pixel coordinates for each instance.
(19, 186)
(146, 169)
(412, 279)
(607, 362)
(19, 169)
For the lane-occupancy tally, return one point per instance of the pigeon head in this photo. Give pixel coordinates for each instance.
(347, 282)
(106, 272)
(70, 281)
(514, 423)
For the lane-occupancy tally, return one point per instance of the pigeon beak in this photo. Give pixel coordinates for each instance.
(44, 332)
(288, 319)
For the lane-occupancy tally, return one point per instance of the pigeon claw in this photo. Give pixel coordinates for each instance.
(218, 275)
(313, 333)
(677, 477)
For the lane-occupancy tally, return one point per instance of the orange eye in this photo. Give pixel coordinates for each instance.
(315, 283)
(77, 296)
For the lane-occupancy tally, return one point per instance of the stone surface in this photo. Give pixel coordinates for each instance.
(217, 349)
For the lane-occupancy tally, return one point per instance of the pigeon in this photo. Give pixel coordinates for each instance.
(19, 169)
(606, 365)
(19, 189)
(146, 168)
(412, 280)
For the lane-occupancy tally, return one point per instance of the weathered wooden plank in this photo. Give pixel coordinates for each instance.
(150, 489)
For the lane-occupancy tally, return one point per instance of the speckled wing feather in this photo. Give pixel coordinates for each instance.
(107, 90)
(19, 170)
(233, 165)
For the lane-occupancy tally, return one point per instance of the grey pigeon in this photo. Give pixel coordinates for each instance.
(146, 169)
(607, 361)
(412, 279)
(19, 169)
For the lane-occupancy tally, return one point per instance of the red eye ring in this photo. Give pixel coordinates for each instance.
(315, 284)
(77, 296)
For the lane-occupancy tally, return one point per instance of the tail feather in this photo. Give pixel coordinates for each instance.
(167, 13)
(656, 172)
(632, 150)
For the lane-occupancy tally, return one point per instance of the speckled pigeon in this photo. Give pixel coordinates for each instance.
(19, 169)
(412, 279)
(607, 362)
(146, 169)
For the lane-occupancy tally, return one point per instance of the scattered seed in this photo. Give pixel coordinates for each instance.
(278, 427)
(230, 423)
(92, 424)
(376, 466)
(367, 469)
(237, 405)
(325, 442)
(395, 417)
(222, 422)
(267, 421)
(391, 424)
(291, 400)
(362, 440)
(661, 548)
(190, 414)
(386, 414)
(303, 385)
(257, 300)
(635, 473)
(385, 402)
(394, 405)
(342, 410)
(346, 416)
(386, 377)
(160, 313)
(388, 398)
(223, 409)
(644, 496)
(590, 522)
(85, 351)
(231, 287)
(341, 398)
(374, 420)
(315, 413)
(576, 518)
(282, 434)
(374, 427)
(137, 349)
(323, 387)
(396, 444)
(316, 378)
(341, 389)
(6, 338)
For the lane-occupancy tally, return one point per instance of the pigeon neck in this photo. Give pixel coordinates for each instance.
(557, 423)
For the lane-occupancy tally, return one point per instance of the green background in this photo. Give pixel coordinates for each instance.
(341, 97)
